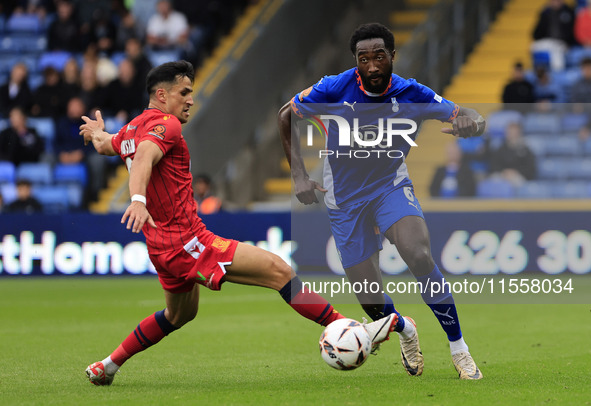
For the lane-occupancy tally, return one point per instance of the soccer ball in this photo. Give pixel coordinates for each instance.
(344, 344)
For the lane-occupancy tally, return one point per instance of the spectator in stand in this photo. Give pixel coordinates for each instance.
(127, 29)
(142, 12)
(455, 178)
(519, 89)
(545, 89)
(581, 91)
(103, 33)
(91, 93)
(16, 93)
(71, 151)
(554, 32)
(18, 143)
(141, 63)
(39, 7)
(71, 79)
(169, 29)
(123, 95)
(1, 203)
(89, 11)
(583, 26)
(49, 100)
(63, 33)
(25, 202)
(514, 161)
(67, 141)
(207, 203)
(7, 7)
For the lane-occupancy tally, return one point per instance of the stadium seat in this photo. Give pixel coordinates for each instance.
(580, 169)
(563, 146)
(4, 123)
(535, 190)
(23, 23)
(570, 190)
(35, 80)
(554, 168)
(31, 43)
(75, 195)
(70, 173)
(575, 55)
(495, 189)
(36, 173)
(538, 144)
(497, 122)
(542, 123)
(45, 127)
(112, 125)
(7, 172)
(572, 122)
(56, 59)
(159, 57)
(7, 62)
(55, 199)
(541, 58)
(8, 192)
(117, 57)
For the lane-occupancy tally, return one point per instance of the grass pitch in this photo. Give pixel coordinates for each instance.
(247, 347)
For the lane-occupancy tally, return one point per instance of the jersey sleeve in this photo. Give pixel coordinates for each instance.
(116, 140)
(317, 93)
(436, 107)
(163, 131)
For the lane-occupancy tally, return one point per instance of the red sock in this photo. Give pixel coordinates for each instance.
(150, 331)
(309, 304)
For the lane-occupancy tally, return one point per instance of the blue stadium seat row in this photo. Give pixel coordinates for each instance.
(58, 189)
(540, 189)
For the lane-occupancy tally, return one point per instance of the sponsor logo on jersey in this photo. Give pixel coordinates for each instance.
(158, 131)
(350, 105)
(221, 244)
(127, 147)
(438, 98)
(305, 93)
(130, 127)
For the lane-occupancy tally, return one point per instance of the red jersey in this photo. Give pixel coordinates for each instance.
(169, 194)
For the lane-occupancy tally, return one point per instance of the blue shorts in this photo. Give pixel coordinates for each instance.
(358, 229)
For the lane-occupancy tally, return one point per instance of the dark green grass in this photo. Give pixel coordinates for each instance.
(248, 347)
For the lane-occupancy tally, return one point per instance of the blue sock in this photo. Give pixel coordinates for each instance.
(441, 302)
(386, 311)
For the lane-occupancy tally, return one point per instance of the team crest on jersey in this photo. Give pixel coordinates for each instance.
(220, 244)
(395, 105)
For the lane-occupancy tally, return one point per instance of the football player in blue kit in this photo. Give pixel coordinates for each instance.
(365, 189)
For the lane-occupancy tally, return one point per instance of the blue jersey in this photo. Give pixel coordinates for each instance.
(357, 172)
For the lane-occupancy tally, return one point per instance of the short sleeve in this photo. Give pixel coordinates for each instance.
(437, 107)
(317, 93)
(164, 131)
(116, 140)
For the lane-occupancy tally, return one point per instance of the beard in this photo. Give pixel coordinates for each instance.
(379, 87)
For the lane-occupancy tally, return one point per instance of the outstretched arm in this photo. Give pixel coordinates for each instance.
(304, 187)
(468, 123)
(94, 131)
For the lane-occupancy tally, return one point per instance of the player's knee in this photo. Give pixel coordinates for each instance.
(418, 258)
(280, 271)
(183, 316)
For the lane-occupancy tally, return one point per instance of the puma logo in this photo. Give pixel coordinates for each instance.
(446, 314)
(414, 205)
(350, 105)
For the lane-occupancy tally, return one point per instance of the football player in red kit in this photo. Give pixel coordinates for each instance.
(184, 253)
